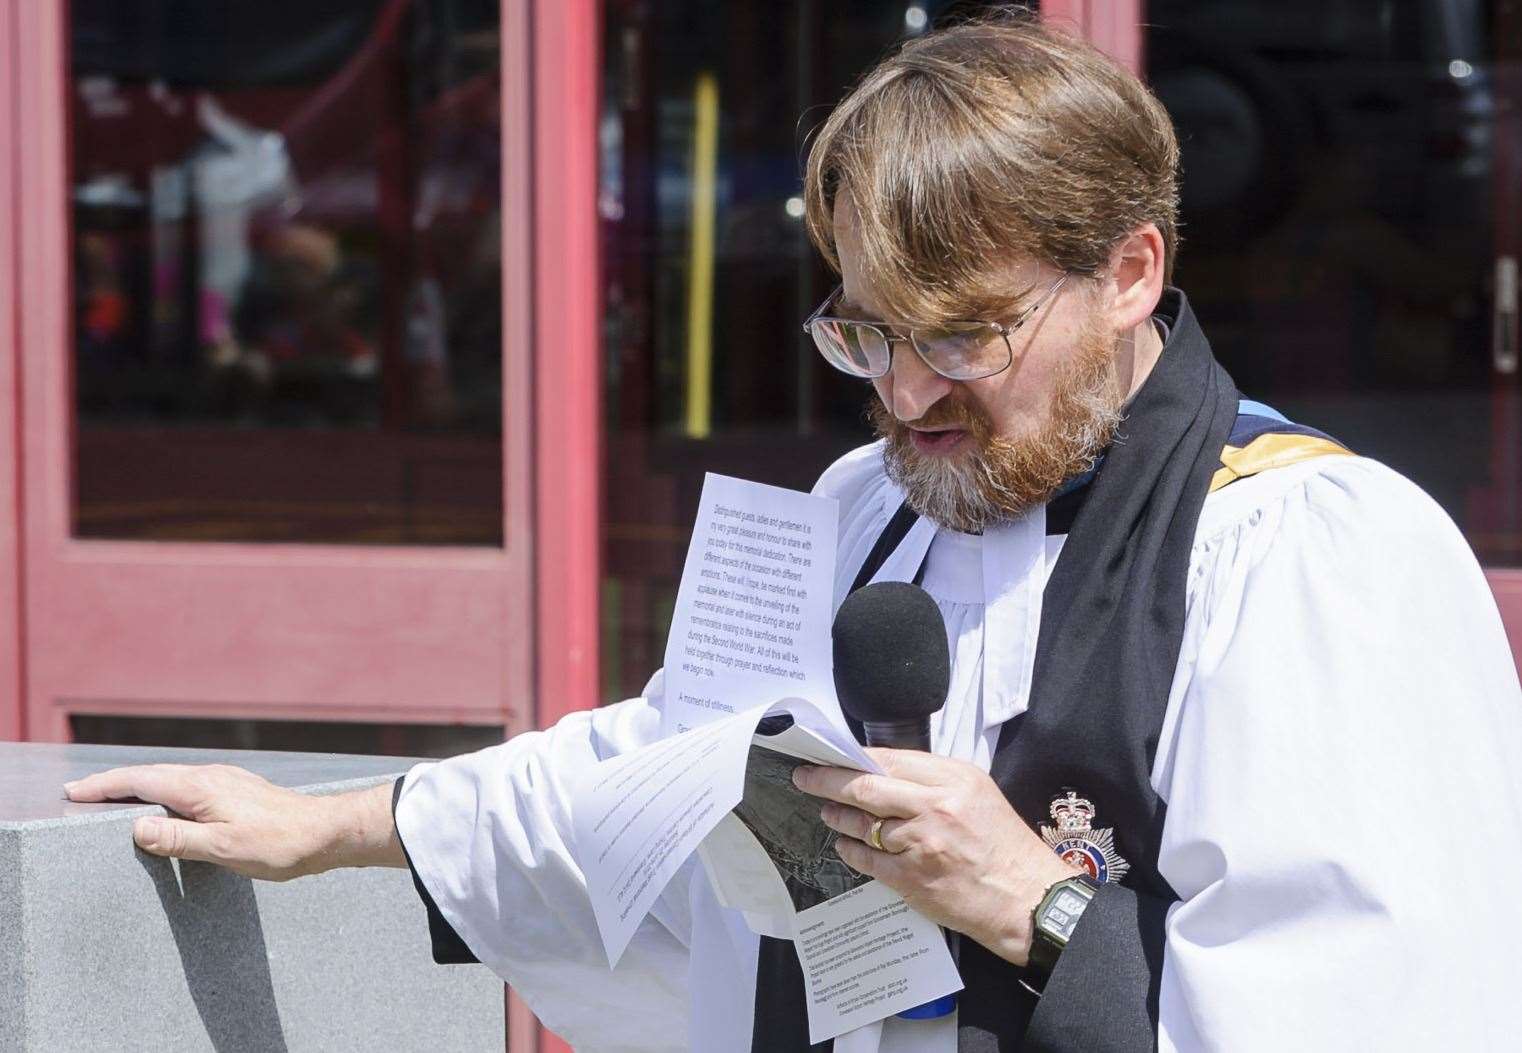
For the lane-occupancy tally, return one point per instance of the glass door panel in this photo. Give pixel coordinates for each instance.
(707, 273)
(277, 288)
(1352, 217)
(286, 228)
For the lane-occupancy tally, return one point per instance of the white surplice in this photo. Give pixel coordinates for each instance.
(1341, 758)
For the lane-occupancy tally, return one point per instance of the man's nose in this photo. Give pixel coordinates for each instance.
(912, 386)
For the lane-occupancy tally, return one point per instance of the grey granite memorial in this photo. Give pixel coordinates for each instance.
(104, 947)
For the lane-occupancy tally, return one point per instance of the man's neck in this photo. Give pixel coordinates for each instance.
(1146, 347)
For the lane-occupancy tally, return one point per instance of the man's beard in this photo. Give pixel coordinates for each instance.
(1000, 479)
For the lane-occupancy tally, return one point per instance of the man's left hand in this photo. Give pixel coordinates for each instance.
(954, 848)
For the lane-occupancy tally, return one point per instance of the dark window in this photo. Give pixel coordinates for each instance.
(298, 736)
(287, 313)
(1349, 199)
(708, 273)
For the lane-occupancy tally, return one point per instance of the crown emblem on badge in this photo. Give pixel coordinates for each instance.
(1074, 837)
(1073, 814)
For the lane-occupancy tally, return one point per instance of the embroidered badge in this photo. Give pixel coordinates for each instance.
(1075, 839)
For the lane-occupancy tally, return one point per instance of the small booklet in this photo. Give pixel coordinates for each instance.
(749, 697)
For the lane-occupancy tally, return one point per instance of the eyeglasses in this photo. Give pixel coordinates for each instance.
(955, 350)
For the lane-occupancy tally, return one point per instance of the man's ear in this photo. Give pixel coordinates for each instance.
(1136, 269)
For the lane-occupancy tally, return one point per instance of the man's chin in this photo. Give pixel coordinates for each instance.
(937, 470)
(971, 487)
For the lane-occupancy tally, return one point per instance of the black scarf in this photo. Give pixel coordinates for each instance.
(1112, 623)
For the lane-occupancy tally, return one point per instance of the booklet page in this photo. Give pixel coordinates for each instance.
(639, 816)
(866, 956)
(752, 618)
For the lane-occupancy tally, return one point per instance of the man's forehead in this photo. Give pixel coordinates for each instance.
(858, 300)
(1017, 273)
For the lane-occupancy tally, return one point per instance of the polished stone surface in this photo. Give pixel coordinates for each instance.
(32, 775)
(103, 947)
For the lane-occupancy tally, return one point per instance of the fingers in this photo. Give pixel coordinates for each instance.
(864, 859)
(857, 824)
(878, 794)
(102, 786)
(177, 838)
(176, 786)
(179, 787)
(917, 766)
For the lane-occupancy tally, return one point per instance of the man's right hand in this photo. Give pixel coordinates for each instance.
(241, 821)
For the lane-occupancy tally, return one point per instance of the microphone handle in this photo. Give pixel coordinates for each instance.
(912, 734)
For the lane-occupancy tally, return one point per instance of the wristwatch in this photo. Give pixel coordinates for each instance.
(1055, 919)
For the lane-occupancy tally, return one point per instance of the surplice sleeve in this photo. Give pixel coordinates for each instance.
(1340, 765)
(488, 837)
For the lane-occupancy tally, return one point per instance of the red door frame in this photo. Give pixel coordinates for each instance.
(11, 655)
(567, 378)
(307, 631)
(1113, 26)
(567, 354)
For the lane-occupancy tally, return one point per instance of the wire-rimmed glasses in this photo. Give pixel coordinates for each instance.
(956, 350)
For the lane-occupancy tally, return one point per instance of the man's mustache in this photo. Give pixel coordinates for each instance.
(948, 412)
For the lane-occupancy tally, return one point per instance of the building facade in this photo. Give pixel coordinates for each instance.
(360, 360)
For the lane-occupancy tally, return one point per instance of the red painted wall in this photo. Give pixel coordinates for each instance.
(11, 726)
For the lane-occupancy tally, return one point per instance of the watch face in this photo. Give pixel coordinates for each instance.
(1060, 917)
(1059, 923)
(1070, 902)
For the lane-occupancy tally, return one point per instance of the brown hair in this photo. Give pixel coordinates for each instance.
(989, 138)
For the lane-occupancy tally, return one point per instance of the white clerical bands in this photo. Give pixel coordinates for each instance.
(875, 836)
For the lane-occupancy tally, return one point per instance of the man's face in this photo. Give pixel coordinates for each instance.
(972, 453)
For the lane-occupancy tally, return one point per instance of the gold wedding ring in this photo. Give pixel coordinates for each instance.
(875, 835)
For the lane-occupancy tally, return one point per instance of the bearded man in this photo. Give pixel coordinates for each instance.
(1250, 687)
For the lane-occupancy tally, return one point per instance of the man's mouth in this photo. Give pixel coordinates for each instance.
(937, 441)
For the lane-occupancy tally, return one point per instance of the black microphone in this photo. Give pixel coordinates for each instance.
(892, 663)
(892, 670)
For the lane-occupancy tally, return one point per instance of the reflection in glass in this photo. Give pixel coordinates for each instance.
(287, 270)
(707, 273)
(1352, 188)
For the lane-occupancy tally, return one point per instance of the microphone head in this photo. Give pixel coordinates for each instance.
(891, 658)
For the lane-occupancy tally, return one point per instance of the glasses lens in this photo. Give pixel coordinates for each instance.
(851, 347)
(962, 352)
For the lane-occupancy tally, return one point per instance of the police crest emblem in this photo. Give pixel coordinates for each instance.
(1073, 836)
